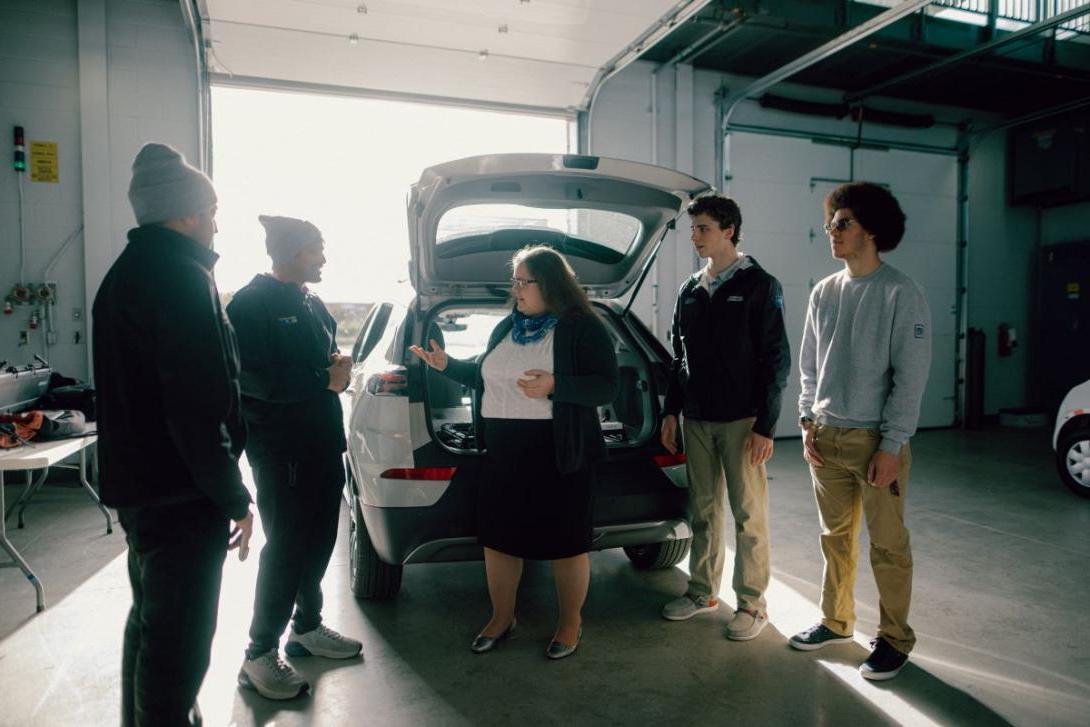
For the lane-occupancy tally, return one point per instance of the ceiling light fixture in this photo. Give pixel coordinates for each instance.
(503, 28)
(354, 39)
(361, 9)
(483, 55)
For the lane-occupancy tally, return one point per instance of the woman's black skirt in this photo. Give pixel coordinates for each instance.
(526, 507)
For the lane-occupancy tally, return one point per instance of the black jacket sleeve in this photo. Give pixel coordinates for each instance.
(263, 376)
(199, 394)
(773, 359)
(597, 378)
(675, 395)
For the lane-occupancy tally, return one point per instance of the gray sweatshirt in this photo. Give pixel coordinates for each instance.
(866, 354)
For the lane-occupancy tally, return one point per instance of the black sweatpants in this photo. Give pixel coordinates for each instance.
(176, 555)
(299, 502)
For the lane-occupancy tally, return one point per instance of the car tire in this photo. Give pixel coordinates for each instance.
(370, 577)
(1072, 450)
(658, 555)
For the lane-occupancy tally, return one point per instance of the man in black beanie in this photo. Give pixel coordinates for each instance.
(169, 434)
(292, 373)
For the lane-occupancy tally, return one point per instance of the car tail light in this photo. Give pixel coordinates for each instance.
(669, 460)
(419, 473)
(389, 383)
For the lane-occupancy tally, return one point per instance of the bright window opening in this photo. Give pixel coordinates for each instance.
(345, 164)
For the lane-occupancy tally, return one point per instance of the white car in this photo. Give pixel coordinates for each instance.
(1071, 440)
(412, 455)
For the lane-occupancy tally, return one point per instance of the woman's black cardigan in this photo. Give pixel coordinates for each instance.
(585, 370)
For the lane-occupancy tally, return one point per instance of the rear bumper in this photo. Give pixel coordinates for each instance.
(423, 535)
(610, 536)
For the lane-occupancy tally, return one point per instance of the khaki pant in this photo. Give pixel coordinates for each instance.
(718, 462)
(843, 496)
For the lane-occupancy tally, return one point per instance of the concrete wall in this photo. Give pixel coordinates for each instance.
(100, 78)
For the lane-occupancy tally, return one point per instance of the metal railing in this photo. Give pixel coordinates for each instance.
(1026, 11)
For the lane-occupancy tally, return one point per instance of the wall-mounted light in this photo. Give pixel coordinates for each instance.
(354, 39)
(503, 28)
(361, 9)
(483, 55)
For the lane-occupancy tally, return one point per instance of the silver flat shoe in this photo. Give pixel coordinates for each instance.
(559, 650)
(483, 644)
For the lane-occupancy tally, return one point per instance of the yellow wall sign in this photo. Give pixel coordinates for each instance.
(44, 166)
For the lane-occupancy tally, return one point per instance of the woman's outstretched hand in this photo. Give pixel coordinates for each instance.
(436, 358)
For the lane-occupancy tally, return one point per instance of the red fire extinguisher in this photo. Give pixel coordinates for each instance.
(1007, 339)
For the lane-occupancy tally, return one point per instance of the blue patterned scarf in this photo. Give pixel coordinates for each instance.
(528, 329)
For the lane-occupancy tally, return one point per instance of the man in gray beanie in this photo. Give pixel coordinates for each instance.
(170, 434)
(292, 373)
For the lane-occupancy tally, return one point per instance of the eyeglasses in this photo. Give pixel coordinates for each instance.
(839, 225)
(520, 283)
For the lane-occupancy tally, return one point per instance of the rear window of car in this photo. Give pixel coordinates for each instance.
(612, 230)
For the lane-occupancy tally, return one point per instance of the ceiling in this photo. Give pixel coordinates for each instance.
(751, 38)
(533, 53)
(550, 54)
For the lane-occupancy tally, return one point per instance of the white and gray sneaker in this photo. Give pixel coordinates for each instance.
(745, 626)
(322, 641)
(688, 606)
(272, 677)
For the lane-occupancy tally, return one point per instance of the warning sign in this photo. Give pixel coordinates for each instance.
(44, 166)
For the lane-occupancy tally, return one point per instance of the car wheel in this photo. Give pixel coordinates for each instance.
(658, 555)
(1073, 460)
(370, 577)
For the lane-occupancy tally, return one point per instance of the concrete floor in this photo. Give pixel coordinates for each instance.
(1000, 608)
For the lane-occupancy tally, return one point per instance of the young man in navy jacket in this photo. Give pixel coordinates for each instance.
(730, 365)
(292, 373)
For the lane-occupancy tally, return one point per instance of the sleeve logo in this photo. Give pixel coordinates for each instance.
(919, 330)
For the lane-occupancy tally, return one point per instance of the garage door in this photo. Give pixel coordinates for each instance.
(780, 184)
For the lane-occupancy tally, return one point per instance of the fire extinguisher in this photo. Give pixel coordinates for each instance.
(1007, 339)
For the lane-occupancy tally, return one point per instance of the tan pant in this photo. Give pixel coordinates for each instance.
(718, 462)
(843, 496)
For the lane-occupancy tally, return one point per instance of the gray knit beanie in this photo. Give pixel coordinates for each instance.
(164, 187)
(286, 236)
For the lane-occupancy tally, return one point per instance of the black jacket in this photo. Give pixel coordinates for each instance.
(286, 338)
(731, 354)
(166, 372)
(585, 370)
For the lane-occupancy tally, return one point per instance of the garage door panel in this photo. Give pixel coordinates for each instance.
(774, 206)
(914, 172)
(783, 160)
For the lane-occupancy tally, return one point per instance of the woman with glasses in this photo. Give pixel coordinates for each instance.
(546, 369)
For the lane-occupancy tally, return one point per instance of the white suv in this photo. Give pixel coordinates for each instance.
(1071, 440)
(412, 454)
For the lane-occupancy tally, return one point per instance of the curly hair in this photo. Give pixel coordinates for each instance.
(874, 208)
(554, 275)
(720, 208)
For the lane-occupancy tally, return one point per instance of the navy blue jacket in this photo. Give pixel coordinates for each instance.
(731, 354)
(585, 370)
(286, 338)
(166, 376)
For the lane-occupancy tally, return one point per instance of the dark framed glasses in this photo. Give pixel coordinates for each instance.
(839, 225)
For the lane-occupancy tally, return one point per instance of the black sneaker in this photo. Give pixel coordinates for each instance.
(817, 636)
(885, 662)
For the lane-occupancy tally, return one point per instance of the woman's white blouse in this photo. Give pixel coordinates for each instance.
(506, 364)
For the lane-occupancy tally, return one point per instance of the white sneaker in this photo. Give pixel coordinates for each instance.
(745, 626)
(322, 641)
(272, 677)
(688, 606)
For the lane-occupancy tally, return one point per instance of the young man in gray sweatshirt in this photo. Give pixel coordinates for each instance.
(866, 353)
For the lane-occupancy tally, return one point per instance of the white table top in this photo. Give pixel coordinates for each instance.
(38, 455)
